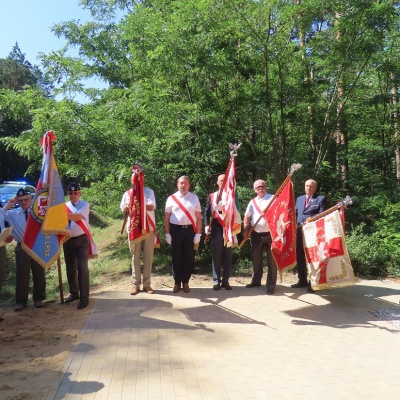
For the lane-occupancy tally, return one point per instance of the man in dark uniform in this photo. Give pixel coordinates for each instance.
(221, 255)
(307, 206)
(24, 262)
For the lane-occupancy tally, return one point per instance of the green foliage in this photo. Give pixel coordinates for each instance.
(313, 82)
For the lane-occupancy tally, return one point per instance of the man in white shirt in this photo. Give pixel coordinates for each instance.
(183, 226)
(147, 244)
(76, 249)
(260, 237)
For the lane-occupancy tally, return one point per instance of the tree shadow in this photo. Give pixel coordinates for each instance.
(346, 307)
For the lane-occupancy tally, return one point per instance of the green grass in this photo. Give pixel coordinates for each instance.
(114, 262)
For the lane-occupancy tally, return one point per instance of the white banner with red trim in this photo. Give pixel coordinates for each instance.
(328, 261)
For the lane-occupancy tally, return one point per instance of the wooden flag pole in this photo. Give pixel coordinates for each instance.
(293, 168)
(60, 283)
(344, 203)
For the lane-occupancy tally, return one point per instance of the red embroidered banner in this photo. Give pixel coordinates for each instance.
(138, 226)
(281, 218)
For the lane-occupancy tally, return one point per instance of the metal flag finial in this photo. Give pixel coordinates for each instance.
(234, 148)
(347, 201)
(137, 168)
(295, 167)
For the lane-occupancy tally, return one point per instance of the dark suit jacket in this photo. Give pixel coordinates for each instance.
(316, 205)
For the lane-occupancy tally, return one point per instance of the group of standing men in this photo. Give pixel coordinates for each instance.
(183, 226)
(76, 250)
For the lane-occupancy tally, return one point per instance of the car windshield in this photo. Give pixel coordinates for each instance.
(8, 189)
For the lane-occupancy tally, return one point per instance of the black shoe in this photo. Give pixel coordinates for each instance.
(38, 304)
(216, 286)
(82, 304)
(250, 285)
(299, 285)
(226, 286)
(71, 298)
(1, 318)
(19, 306)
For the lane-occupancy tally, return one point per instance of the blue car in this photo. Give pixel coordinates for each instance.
(9, 189)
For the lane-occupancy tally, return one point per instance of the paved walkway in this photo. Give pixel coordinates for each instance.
(239, 344)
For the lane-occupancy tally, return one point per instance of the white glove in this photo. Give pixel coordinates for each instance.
(197, 238)
(218, 207)
(207, 230)
(168, 238)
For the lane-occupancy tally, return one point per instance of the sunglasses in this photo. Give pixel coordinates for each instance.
(74, 192)
(260, 187)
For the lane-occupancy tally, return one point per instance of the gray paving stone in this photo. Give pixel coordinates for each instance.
(239, 344)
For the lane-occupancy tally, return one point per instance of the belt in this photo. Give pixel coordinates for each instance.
(77, 237)
(262, 233)
(183, 226)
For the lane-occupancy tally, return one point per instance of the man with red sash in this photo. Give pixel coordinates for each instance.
(183, 226)
(79, 248)
(131, 205)
(221, 255)
(260, 237)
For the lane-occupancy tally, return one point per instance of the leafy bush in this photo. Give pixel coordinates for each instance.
(377, 254)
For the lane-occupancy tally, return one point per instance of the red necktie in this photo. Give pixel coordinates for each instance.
(307, 201)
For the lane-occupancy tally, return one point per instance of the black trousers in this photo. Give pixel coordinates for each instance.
(24, 265)
(221, 255)
(76, 254)
(182, 250)
(301, 258)
(259, 243)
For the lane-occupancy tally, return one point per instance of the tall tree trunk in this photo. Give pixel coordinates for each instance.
(395, 124)
(342, 164)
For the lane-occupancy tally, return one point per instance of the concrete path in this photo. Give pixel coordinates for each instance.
(239, 344)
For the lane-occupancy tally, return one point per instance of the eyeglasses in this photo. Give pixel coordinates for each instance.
(74, 192)
(260, 187)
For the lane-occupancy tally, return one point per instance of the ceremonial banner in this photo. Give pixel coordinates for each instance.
(46, 227)
(230, 214)
(326, 253)
(139, 229)
(281, 218)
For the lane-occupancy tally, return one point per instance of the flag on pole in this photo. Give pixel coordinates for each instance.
(281, 218)
(328, 261)
(140, 220)
(231, 219)
(46, 227)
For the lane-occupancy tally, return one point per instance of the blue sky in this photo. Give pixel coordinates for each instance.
(29, 23)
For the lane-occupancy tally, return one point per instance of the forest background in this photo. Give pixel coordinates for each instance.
(314, 82)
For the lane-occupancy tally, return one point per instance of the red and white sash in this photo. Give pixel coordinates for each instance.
(85, 227)
(187, 213)
(258, 208)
